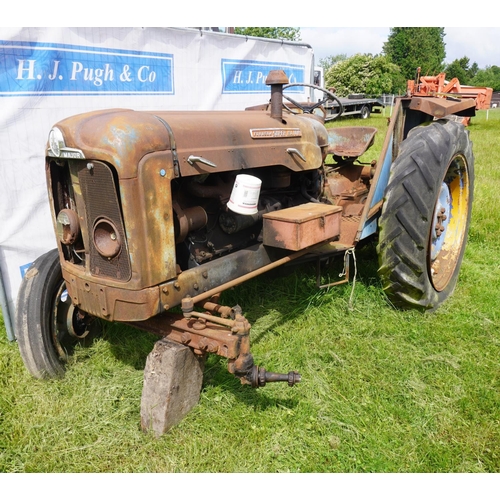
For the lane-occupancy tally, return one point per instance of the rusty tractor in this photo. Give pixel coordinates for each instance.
(157, 213)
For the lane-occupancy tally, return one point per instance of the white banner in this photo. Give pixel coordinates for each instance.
(47, 74)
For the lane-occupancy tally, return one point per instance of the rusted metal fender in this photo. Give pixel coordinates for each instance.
(439, 107)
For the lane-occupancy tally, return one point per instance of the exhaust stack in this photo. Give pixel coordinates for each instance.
(276, 79)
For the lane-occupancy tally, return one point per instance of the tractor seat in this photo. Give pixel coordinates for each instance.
(350, 142)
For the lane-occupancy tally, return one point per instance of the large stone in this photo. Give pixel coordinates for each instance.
(172, 384)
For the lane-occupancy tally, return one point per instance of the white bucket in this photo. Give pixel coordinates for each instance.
(245, 195)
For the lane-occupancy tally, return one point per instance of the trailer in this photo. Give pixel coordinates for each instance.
(354, 105)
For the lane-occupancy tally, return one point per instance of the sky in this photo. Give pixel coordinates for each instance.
(479, 44)
(365, 23)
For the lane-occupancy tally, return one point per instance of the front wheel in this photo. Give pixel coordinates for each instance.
(48, 326)
(426, 214)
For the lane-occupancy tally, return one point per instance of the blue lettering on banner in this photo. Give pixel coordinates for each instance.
(28, 69)
(249, 77)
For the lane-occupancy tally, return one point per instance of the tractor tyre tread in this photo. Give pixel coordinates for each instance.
(409, 201)
(32, 320)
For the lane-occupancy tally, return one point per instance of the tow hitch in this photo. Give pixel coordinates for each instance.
(242, 366)
(222, 330)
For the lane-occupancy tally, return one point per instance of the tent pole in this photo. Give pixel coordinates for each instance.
(4, 306)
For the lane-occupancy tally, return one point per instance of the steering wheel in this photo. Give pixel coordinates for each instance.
(310, 107)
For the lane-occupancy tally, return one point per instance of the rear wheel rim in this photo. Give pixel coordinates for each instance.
(449, 223)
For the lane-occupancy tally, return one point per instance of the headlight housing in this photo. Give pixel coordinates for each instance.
(58, 148)
(68, 226)
(56, 142)
(106, 237)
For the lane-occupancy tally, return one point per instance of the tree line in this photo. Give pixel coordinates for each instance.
(405, 50)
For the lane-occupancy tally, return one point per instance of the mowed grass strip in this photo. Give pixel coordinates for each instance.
(382, 390)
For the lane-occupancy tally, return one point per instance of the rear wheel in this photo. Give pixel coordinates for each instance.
(365, 112)
(426, 215)
(48, 325)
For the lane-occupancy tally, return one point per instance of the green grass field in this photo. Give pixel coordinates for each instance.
(382, 390)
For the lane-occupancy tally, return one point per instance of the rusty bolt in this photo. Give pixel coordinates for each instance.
(208, 345)
(212, 347)
(185, 337)
(199, 324)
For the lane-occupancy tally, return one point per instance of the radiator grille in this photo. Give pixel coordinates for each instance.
(100, 198)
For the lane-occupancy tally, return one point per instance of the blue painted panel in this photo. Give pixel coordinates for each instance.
(33, 69)
(249, 77)
(370, 226)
